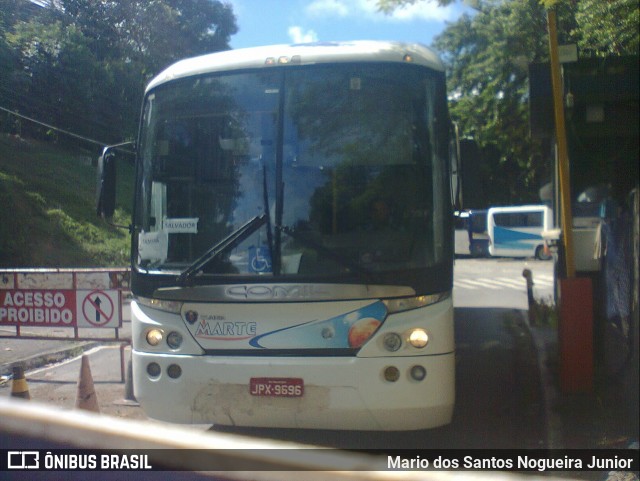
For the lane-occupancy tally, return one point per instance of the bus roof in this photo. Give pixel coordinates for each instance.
(518, 208)
(300, 54)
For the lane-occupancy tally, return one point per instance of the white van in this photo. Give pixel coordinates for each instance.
(516, 231)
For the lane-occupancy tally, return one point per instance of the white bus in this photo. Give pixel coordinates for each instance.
(292, 239)
(516, 231)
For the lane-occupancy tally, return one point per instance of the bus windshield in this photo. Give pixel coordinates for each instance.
(328, 171)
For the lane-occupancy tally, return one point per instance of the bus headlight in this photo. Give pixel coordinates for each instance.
(167, 306)
(174, 340)
(418, 338)
(154, 337)
(391, 341)
(418, 373)
(391, 374)
(174, 371)
(408, 303)
(153, 369)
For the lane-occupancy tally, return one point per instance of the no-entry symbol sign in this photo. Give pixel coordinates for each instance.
(98, 308)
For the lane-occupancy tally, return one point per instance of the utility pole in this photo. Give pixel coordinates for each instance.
(561, 143)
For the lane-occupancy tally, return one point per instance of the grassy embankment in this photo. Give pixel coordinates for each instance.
(47, 208)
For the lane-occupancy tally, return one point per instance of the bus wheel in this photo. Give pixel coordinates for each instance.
(541, 254)
(476, 250)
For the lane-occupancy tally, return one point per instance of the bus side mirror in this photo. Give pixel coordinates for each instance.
(106, 192)
(106, 188)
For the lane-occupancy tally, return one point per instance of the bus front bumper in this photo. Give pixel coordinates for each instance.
(337, 392)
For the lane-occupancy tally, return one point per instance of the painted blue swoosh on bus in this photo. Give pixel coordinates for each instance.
(326, 333)
(255, 341)
(513, 239)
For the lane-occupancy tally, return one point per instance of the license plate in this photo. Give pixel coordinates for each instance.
(276, 386)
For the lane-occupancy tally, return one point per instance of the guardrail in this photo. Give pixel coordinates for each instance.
(64, 304)
(62, 298)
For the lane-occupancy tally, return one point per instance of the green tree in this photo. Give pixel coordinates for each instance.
(608, 28)
(8, 12)
(83, 64)
(389, 6)
(487, 53)
(60, 80)
(155, 33)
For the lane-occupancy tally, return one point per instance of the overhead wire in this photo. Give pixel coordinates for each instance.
(53, 127)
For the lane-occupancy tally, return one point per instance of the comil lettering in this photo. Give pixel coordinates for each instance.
(35, 307)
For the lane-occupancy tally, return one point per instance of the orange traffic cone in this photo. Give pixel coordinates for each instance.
(87, 398)
(19, 386)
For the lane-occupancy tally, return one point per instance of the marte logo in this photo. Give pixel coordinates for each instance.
(191, 317)
(226, 330)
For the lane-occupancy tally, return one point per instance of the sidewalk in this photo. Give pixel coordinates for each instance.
(37, 353)
(605, 418)
(61, 345)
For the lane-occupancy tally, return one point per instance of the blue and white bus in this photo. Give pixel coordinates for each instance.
(292, 254)
(516, 231)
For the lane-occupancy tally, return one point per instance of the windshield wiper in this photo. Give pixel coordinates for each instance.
(340, 259)
(224, 245)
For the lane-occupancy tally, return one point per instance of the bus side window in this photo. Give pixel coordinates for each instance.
(534, 219)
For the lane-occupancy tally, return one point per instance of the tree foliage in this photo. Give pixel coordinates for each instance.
(82, 64)
(487, 54)
(608, 28)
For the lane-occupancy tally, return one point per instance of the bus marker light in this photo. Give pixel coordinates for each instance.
(154, 337)
(174, 371)
(174, 340)
(418, 338)
(153, 369)
(418, 373)
(391, 374)
(392, 341)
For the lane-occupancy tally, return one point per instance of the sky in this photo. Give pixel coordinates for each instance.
(266, 22)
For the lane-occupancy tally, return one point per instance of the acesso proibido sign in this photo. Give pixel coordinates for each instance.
(60, 308)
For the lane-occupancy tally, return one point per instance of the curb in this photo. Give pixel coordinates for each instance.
(49, 357)
(553, 422)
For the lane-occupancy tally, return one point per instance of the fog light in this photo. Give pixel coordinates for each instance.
(391, 341)
(153, 369)
(391, 374)
(418, 373)
(418, 338)
(174, 371)
(154, 337)
(174, 340)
